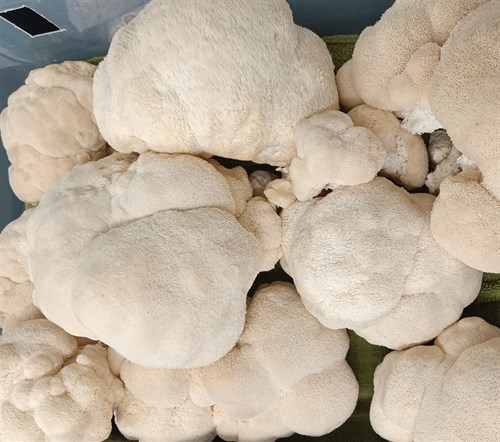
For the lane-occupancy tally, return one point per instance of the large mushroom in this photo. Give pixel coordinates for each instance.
(272, 384)
(230, 78)
(394, 60)
(363, 257)
(48, 127)
(465, 95)
(152, 255)
(446, 391)
(51, 389)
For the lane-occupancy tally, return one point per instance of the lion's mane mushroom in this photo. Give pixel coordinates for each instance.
(156, 404)
(447, 391)
(52, 390)
(133, 251)
(465, 221)
(16, 289)
(249, 75)
(464, 91)
(406, 162)
(48, 127)
(332, 152)
(394, 60)
(271, 384)
(363, 257)
(465, 96)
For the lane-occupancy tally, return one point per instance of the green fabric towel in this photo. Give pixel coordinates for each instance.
(362, 356)
(340, 47)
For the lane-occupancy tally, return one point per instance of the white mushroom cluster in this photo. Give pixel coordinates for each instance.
(210, 157)
(363, 257)
(436, 64)
(268, 386)
(48, 127)
(163, 242)
(51, 389)
(246, 78)
(271, 385)
(446, 391)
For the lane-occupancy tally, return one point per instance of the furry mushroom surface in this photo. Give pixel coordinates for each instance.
(16, 289)
(48, 127)
(156, 404)
(447, 391)
(331, 152)
(51, 389)
(406, 162)
(363, 257)
(466, 216)
(394, 60)
(464, 92)
(465, 221)
(348, 96)
(272, 384)
(230, 78)
(152, 255)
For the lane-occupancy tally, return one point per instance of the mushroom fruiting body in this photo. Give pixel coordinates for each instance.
(363, 257)
(464, 92)
(465, 95)
(406, 162)
(272, 384)
(229, 78)
(16, 289)
(133, 251)
(156, 404)
(465, 221)
(447, 391)
(50, 389)
(331, 152)
(394, 60)
(48, 127)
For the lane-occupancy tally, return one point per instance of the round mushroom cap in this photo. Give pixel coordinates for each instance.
(464, 92)
(447, 391)
(465, 221)
(48, 127)
(242, 63)
(133, 251)
(153, 296)
(341, 251)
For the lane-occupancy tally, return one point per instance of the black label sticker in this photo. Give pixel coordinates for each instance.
(29, 21)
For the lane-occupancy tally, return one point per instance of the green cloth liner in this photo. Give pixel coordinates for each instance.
(362, 356)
